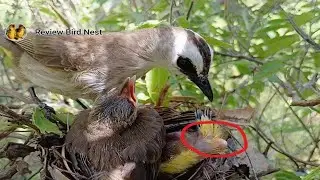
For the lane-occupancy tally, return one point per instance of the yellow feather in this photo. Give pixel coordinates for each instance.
(212, 130)
(212, 133)
(181, 162)
(11, 33)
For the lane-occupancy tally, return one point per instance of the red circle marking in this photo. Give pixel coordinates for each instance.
(221, 122)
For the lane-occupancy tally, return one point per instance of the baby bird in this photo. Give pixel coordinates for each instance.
(20, 32)
(11, 32)
(116, 139)
(178, 158)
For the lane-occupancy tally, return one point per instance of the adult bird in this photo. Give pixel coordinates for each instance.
(116, 140)
(88, 65)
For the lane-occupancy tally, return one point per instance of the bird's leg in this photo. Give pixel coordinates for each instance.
(48, 110)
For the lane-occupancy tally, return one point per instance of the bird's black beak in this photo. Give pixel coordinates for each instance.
(204, 85)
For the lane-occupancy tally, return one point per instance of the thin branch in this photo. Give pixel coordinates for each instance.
(303, 34)
(306, 103)
(312, 152)
(295, 114)
(171, 12)
(134, 4)
(252, 59)
(265, 107)
(189, 10)
(17, 118)
(265, 152)
(261, 174)
(275, 147)
(17, 95)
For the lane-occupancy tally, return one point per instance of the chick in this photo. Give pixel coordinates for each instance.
(206, 140)
(11, 32)
(116, 139)
(20, 32)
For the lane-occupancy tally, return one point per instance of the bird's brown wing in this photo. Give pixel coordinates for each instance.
(77, 145)
(61, 51)
(147, 137)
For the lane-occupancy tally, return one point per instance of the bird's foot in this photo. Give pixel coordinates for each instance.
(48, 111)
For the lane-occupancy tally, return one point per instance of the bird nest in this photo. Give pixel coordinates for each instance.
(56, 163)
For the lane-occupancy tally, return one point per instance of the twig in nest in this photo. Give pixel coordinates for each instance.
(18, 167)
(306, 103)
(7, 174)
(195, 173)
(162, 95)
(16, 150)
(17, 118)
(8, 131)
(63, 154)
(183, 99)
(267, 173)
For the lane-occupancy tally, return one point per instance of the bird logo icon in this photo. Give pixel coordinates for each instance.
(15, 34)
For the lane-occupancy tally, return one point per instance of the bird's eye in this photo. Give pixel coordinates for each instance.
(186, 66)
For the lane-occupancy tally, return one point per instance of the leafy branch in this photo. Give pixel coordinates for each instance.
(304, 35)
(239, 56)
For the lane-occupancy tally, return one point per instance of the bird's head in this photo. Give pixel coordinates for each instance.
(119, 106)
(12, 26)
(21, 27)
(192, 57)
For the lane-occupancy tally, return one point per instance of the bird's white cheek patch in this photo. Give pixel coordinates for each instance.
(180, 42)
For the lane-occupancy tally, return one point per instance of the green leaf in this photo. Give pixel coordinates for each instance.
(43, 123)
(215, 42)
(279, 43)
(66, 117)
(160, 6)
(286, 175)
(304, 18)
(268, 69)
(156, 79)
(48, 12)
(243, 67)
(148, 24)
(273, 25)
(316, 60)
(314, 174)
(108, 21)
(183, 22)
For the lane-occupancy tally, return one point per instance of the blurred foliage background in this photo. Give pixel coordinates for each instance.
(267, 56)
